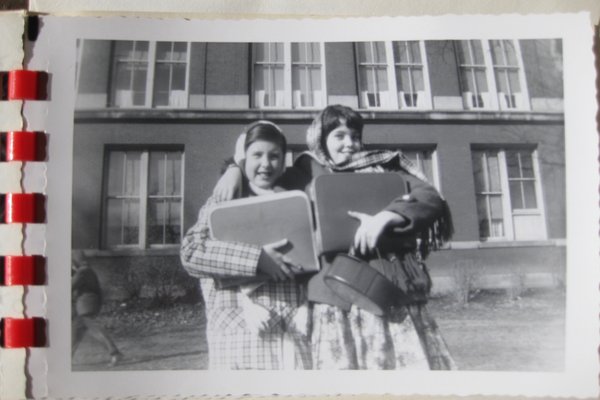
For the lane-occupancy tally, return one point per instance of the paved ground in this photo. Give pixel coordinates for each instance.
(492, 332)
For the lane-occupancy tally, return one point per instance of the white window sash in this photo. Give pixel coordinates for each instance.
(150, 72)
(424, 101)
(493, 100)
(143, 198)
(288, 92)
(186, 90)
(508, 213)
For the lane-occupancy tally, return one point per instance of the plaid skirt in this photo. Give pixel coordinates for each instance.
(251, 350)
(357, 339)
(284, 344)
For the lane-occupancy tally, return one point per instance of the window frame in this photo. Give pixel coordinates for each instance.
(392, 92)
(287, 78)
(143, 196)
(490, 69)
(508, 213)
(151, 61)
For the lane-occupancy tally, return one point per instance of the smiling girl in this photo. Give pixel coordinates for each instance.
(237, 338)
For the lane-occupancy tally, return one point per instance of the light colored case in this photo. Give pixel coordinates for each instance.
(265, 219)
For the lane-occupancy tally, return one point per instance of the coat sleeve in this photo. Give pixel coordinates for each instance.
(203, 256)
(421, 207)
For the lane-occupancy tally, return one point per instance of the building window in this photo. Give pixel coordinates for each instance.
(393, 75)
(491, 75)
(150, 74)
(426, 160)
(288, 75)
(508, 194)
(143, 198)
(373, 75)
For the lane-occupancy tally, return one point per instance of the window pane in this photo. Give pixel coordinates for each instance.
(415, 52)
(124, 173)
(123, 49)
(400, 52)
(163, 51)
(379, 52)
(497, 223)
(122, 222)
(116, 165)
(510, 53)
(164, 174)
(516, 195)
(382, 79)
(496, 207)
(493, 173)
(464, 55)
(139, 84)
(526, 165)
(314, 52)
(482, 85)
(512, 164)
(417, 78)
(529, 194)
(132, 174)
(364, 52)
(477, 51)
(468, 81)
(497, 53)
(276, 52)
(484, 223)
(141, 51)
(161, 84)
(298, 52)
(260, 51)
(164, 221)
(423, 160)
(403, 80)
(478, 172)
(515, 83)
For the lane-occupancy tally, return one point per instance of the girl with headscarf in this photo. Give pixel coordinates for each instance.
(239, 335)
(344, 336)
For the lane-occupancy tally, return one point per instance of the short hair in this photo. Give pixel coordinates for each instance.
(332, 117)
(265, 130)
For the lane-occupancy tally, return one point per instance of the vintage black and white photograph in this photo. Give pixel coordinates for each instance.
(291, 202)
(473, 127)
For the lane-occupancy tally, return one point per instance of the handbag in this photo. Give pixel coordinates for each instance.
(380, 284)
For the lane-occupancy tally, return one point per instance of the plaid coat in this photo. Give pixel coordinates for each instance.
(231, 344)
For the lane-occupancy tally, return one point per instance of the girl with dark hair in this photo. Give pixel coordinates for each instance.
(250, 327)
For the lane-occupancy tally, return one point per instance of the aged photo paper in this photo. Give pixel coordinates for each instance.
(501, 120)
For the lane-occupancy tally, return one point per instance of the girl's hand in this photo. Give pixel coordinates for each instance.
(228, 185)
(371, 227)
(274, 263)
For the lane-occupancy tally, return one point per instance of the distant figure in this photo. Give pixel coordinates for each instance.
(86, 303)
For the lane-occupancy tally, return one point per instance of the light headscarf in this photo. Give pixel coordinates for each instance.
(239, 156)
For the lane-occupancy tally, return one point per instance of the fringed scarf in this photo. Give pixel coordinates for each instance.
(432, 238)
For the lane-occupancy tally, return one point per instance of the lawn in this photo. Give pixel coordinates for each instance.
(491, 332)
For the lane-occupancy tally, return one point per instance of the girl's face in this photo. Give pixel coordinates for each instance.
(341, 143)
(264, 163)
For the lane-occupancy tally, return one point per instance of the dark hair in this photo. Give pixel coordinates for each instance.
(332, 117)
(262, 130)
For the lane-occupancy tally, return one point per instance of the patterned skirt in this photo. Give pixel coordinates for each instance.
(358, 339)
